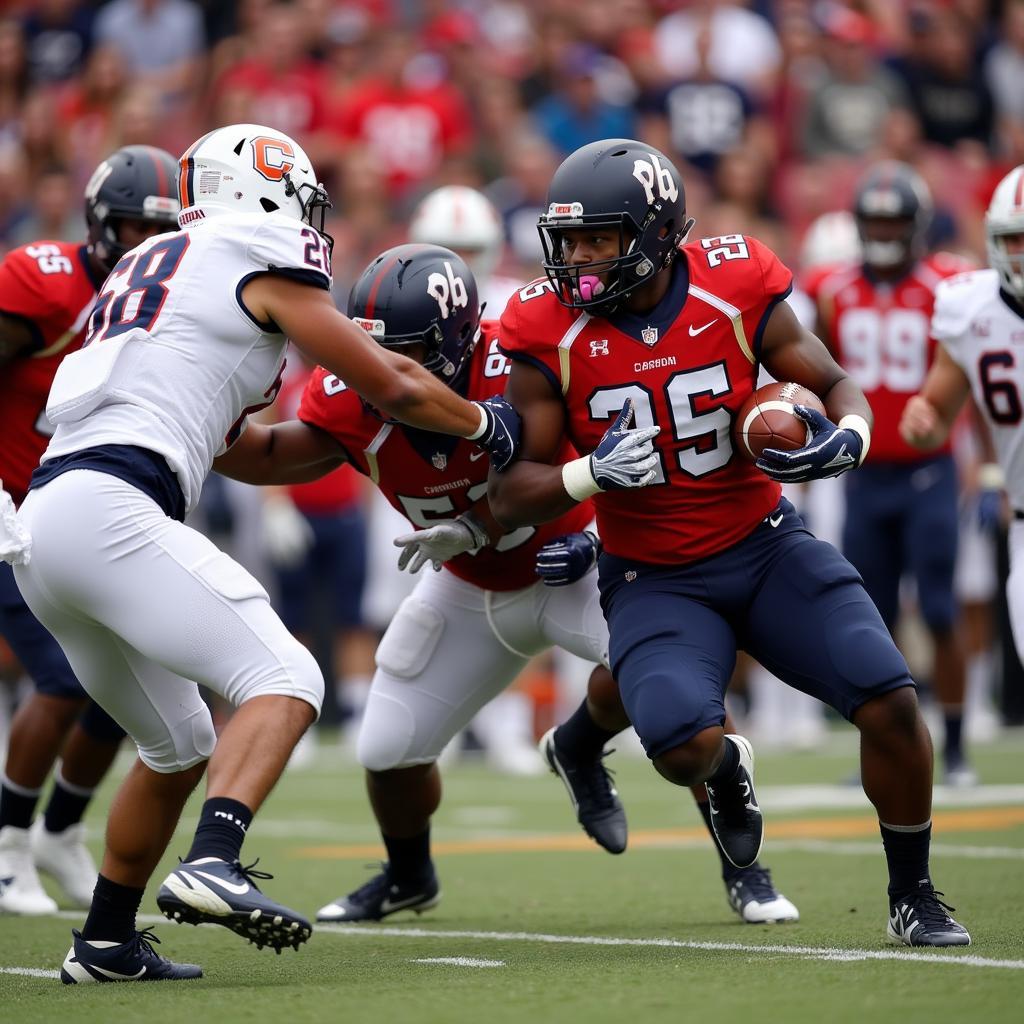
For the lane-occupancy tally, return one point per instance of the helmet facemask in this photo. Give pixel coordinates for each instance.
(314, 205)
(1009, 266)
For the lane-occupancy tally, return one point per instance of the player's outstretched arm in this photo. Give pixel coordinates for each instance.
(928, 416)
(391, 382)
(16, 337)
(291, 452)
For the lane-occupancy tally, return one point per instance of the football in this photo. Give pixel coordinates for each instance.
(767, 420)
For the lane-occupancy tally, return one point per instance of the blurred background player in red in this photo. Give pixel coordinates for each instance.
(901, 509)
(47, 290)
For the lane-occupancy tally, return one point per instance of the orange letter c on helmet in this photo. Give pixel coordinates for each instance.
(273, 158)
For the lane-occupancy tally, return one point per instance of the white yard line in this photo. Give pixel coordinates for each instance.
(458, 961)
(30, 972)
(803, 952)
(831, 953)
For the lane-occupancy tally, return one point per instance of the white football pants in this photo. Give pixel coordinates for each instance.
(452, 647)
(1015, 585)
(145, 607)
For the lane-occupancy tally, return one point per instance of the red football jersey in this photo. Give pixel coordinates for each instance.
(339, 491)
(690, 378)
(49, 286)
(440, 476)
(880, 333)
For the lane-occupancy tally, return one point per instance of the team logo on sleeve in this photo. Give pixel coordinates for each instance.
(273, 158)
(448, 289)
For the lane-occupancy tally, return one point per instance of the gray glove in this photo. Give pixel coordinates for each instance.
(447, 539)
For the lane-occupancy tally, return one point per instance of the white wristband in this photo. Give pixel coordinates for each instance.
(991, 477)
(859, 426)
(479, 432)
(578, 481)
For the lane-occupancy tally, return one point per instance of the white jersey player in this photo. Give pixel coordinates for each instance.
(979, 323)
(187, 338)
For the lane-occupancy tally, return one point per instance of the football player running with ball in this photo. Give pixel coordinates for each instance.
(468, 629)
(187, 338)
(701, 555)
(978, 323)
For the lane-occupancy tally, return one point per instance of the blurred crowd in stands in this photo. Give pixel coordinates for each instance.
(771, 110)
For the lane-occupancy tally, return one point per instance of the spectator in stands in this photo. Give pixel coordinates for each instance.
(162, 42)
(13, 76)
(1004, 65)
(56, 209)
(58, 34)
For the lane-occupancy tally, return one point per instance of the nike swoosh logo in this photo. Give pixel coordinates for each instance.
(773, 521)
(473, 456)
(238, 890)
(116, 975)
(387, 907)
(701, 330)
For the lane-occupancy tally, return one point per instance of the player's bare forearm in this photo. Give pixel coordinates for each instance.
(928, 417)
(791, 353)
(291, 452)
(528, 493)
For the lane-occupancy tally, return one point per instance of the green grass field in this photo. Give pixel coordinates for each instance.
(556, 929)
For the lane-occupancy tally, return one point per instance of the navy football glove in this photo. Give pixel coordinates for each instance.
(831, 450)
(566, 559)
(990, 509)
(500, 438)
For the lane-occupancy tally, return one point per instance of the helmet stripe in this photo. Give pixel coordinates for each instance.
(186, 187)
(371, 299)
(1018, 196)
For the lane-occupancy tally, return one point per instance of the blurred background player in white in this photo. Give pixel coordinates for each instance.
(464, 220)
(47, 289)
(146, 607)
(901, 510)
(977, 316)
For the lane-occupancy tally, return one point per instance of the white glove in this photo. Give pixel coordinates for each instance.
(15, 542)
(447, 539)
(285, 531)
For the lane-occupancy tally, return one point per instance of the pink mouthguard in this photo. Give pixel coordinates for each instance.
(589, 287)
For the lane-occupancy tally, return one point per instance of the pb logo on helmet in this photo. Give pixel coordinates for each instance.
(652, 175)
(273, 158)
(448, 289)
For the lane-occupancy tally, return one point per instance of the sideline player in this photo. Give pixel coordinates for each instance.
(632, 324)
(901, 509)
(187, 338)
(46, 292)
(467, 631)
(978, 319)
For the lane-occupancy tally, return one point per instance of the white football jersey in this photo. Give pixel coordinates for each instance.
(985, 337)
(173, 361)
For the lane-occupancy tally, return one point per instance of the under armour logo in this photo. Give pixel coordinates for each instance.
(599, 348)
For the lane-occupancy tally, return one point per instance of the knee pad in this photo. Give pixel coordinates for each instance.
(96, 723)
(185, 744)
(386, 735)
(409, 642)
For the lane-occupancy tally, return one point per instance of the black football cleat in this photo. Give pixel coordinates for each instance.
(379, 898)
(735, 816)
(921, 919)
(753, 896)
(210, 890)
(90, 963)
(591, 793)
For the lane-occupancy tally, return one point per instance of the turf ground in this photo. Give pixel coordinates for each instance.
(537, 924)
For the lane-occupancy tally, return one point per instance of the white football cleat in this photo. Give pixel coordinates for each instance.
(66, 859)
(21, 892)
(756, 900)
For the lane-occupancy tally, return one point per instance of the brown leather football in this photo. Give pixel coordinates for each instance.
(767, 419)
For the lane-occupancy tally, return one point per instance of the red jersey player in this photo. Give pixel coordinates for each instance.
(901, 511)
(467, 630)
(47, 291)
(701, 554)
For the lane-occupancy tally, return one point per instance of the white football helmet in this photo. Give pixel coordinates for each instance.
(249, 168)
(831, 238)
(460, 218)
(1005, 216)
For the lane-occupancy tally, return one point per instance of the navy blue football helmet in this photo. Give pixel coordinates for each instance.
(420, 294)
(620, 185)
(135, 183)
(895, 192)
